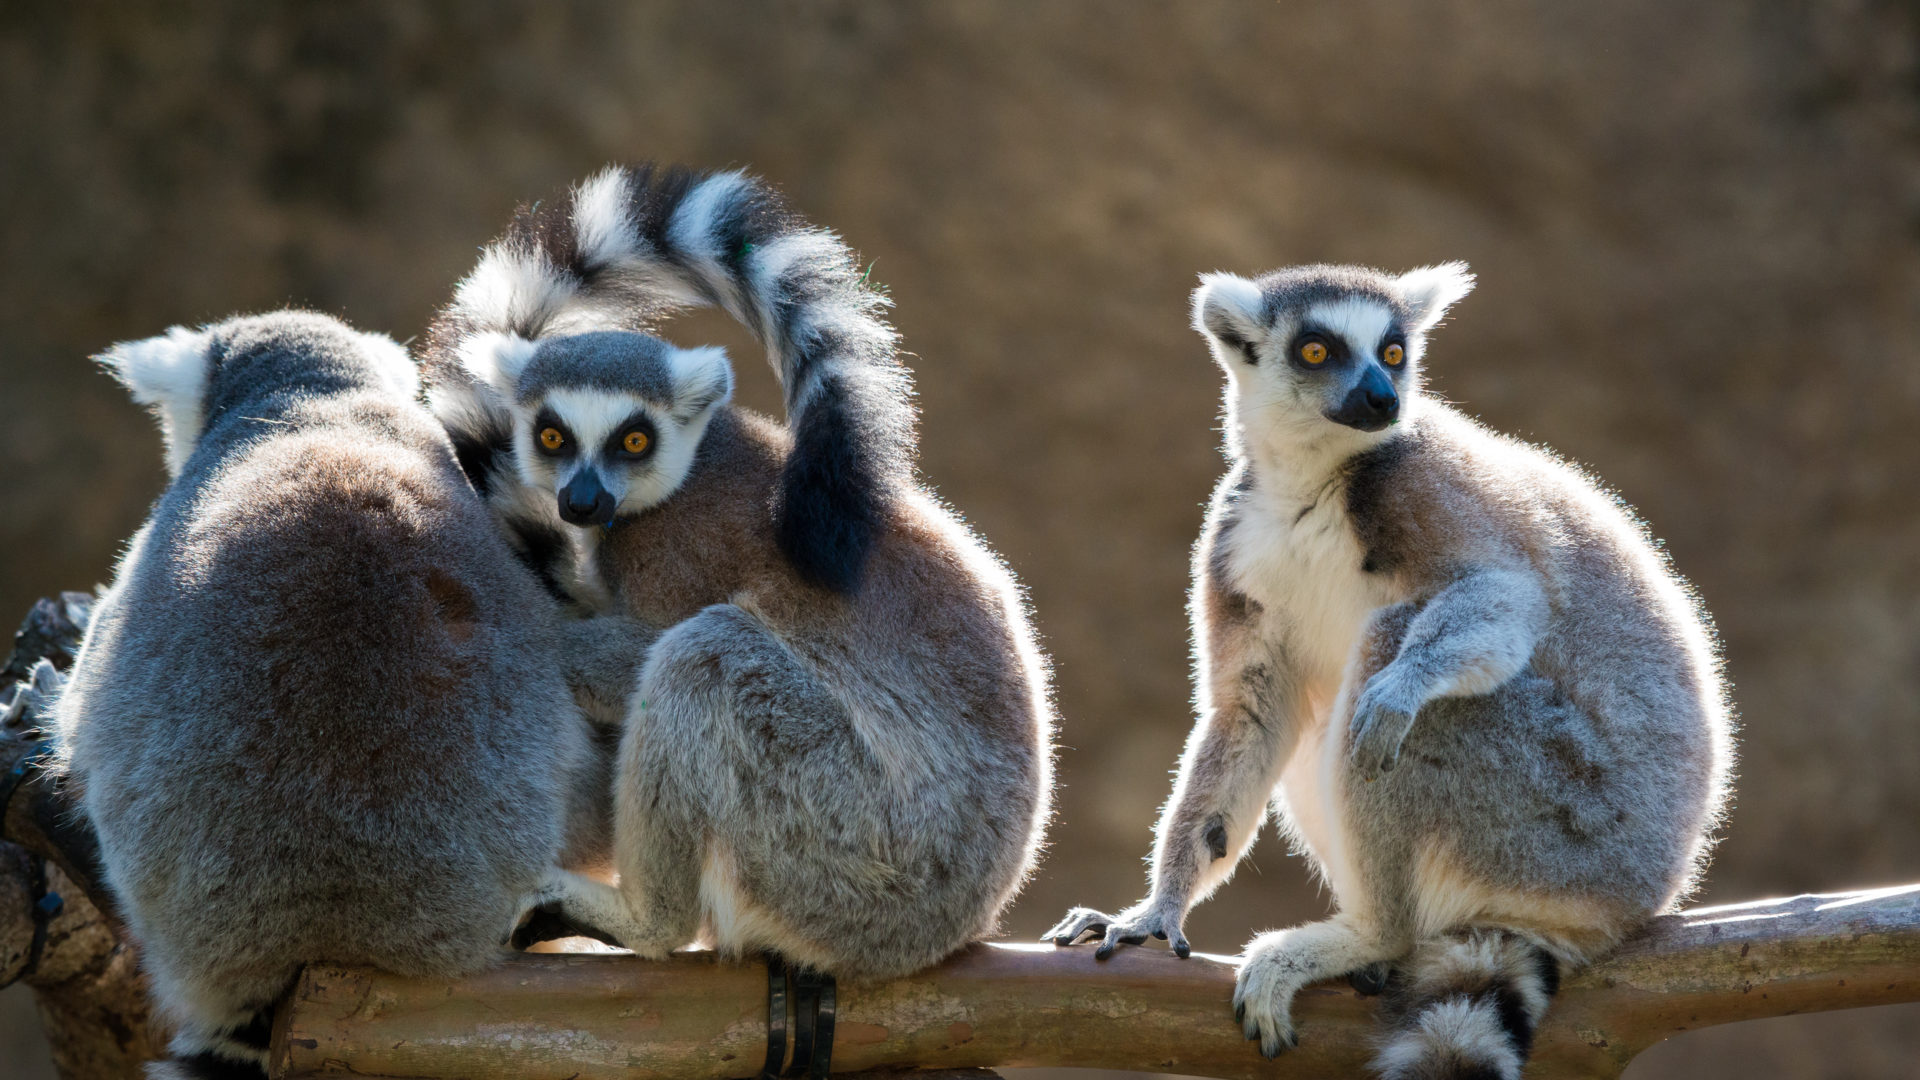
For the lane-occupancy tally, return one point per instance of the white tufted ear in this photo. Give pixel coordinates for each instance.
(1229, 311)
(1431, 290)
(395, 367)
(702, 380)
(168, 374)
(497, 360)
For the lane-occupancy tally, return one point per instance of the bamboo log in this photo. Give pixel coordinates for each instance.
(693, 1017)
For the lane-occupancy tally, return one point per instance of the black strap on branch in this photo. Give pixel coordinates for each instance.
(814, 1003)
(776, 1018)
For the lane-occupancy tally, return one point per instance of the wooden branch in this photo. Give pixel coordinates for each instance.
(86, 979)
(692, 1017)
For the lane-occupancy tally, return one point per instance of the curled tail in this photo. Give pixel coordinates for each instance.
(1465, 1007)
(632, 244)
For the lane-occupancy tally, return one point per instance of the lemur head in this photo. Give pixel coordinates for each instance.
(608, 420)
(1324, 354)
(190, 377)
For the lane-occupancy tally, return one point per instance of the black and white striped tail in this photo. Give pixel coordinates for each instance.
(634, 243)
(237, 1054)
(1465, 1007)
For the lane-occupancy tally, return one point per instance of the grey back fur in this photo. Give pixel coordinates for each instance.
(317, 716)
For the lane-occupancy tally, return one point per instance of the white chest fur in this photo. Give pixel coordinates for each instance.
(1299, 557)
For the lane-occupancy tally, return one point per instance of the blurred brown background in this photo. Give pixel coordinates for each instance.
(1697, 230)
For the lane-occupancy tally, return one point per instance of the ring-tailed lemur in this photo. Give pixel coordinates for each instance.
(322, 712)
(841, 750)
(1373, 557)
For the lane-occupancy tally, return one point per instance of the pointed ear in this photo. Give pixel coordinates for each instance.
(497, 360)
(1431, 290)
(394, 364)
(167, 374)
(702, 381)
(1230, 312)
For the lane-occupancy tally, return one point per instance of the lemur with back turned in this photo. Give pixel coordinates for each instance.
(322, 715)
(1487, 709)
(840, 748)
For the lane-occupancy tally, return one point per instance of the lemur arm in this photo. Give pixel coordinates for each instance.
(1473, 635)
(1249, 700)
(602, 657)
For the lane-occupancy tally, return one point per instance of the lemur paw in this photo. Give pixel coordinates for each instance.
(1131, 927)
(1381, 720)
(1263, 995)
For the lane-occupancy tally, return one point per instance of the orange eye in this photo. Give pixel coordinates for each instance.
(635, 442)
(551, 438)
(1313, 353)
(1393, 355)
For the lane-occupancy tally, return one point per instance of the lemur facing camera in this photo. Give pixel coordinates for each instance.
(840, 748)
(1492, 711)
(321, 714)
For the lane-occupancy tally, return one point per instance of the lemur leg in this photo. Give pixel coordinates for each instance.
(1250, 699)
(1279, 963)
(1371, 888)
(1470, 637)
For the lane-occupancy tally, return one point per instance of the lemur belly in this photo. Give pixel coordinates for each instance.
(1305, 571)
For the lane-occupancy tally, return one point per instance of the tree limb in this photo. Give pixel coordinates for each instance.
(692, 1017)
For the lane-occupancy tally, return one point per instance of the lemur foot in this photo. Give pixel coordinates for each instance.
(1131, 927)
(1263, 994)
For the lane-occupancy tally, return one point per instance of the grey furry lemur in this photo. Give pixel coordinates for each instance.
(839, 748)
(323, 713)
(1485, 706)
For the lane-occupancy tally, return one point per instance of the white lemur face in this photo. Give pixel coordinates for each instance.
(607, 421)
(1323, 354)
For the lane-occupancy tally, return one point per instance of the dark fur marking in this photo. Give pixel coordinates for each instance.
(1514, 1017)
(477, 455)
(830, 498)
(1370, 478)
(1549, 970)
(207, 1065)
(256, 1033)
(541, 547)
(1216, 838)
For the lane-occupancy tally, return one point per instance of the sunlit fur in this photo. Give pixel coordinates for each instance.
(323, 714)
(839, 749)
(1572, 749)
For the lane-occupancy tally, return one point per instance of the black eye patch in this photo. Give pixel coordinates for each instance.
(633, 438)
(1337, 349)
(546, 425)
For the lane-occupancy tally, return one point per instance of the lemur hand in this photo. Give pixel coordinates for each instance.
(1149, 917)
(1381, 719)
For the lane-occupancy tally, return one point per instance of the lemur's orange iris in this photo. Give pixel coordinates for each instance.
(1313, 353)
(551, 438)
(1393, 355)
(635, 442)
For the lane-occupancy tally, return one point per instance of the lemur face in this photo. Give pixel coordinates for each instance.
(608, 422)
(1318, 345)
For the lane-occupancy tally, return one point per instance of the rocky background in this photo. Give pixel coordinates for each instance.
(1697, 230)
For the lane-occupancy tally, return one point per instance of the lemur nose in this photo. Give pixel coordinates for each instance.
(584, 502)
